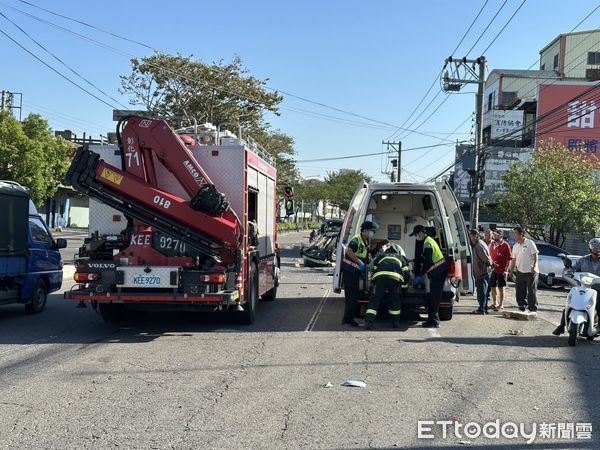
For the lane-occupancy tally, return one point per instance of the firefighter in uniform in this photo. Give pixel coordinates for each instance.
(436, 268)
(356, 258)
(390, 274)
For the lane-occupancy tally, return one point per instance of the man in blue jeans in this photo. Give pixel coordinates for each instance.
(482, 261)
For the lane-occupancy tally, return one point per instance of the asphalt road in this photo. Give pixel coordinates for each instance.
(69, 380)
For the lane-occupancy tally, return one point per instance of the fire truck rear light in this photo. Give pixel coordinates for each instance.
(216, 278)
(83, 277)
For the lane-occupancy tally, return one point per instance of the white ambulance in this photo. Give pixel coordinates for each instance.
(396, 208)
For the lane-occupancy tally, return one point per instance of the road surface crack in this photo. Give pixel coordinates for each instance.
(286, 422)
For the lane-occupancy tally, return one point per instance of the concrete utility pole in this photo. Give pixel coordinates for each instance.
(461, 75)
(396, 163)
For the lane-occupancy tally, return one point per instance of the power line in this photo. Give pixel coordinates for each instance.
(368, 154)
(427, 153)
(486, 28)
(56, 71)
(505, 25)
(88, 25)
(436, 79)
(404, 135)
(470, 26)
(62, 62)
(567, 72)
(559, 122)
(178, 74)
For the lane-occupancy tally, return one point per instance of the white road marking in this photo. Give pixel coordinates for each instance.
(434, 332)
(318, 311)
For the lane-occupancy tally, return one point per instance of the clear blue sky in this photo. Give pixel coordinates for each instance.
(374, 59)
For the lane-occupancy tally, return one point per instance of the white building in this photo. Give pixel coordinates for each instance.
(574, 56)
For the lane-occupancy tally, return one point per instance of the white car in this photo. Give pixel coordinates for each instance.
(551, 262)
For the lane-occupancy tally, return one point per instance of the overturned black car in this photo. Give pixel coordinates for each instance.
(321, 252)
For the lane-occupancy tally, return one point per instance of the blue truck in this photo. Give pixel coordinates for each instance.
(30, 261)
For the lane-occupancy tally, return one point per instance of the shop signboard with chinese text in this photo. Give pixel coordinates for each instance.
(568, 114)
(506, 124)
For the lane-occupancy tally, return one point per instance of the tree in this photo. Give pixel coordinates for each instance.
(184, 90)
(555, 193)
(312, 192)
(177, 86)
(341, 186)
(32, 156)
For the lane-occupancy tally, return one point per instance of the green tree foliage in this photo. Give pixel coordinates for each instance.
(31, 155)
(341, 186)
(179, 87)
(555, 193)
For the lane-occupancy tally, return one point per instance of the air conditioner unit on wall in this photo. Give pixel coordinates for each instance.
(592, 74)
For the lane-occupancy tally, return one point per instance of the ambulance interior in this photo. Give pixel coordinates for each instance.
(397, 213)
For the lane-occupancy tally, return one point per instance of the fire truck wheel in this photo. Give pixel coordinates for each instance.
(248, 315)
(269, 296)
(110, 312)
(38, 299)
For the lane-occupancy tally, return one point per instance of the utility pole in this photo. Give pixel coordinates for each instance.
(395, 146)
(8, 102)
(479, 152)
(463, 73)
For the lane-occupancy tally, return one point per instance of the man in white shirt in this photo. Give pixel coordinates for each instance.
(524, 264)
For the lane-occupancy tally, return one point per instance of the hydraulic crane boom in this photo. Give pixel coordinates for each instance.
(161, 210)
(205, 221)
(141, 136)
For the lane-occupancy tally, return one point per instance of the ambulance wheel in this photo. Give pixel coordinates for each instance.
(248, 315)
(446, 312)
(38, 299)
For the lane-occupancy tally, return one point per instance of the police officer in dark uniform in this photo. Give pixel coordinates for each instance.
(354, 266)
(390, 273)
(434, 265)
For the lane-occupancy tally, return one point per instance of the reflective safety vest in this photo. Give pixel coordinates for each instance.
(362, 247)
(390, 267)
(437, 254)
(361, 253)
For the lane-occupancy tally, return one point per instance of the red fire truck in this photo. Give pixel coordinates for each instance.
(183, 220)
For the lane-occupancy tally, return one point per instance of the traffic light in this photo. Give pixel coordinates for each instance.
(289, 207)
(288, 191)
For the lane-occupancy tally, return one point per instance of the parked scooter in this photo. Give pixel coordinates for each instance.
(580, 312)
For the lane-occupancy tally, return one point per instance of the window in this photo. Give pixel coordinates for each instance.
(508, 97)
(593, 57)
(490, 101)
(39, 233)
(556, 61)
(543, 67)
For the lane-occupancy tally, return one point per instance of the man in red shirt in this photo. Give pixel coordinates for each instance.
(501, 255)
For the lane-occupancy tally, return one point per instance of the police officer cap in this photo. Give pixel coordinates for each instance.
(367, 225)
(417, 229)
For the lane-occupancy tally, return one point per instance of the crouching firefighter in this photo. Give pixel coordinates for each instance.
(390, 275)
